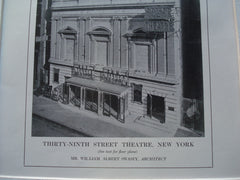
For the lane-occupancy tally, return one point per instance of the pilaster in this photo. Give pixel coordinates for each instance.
(87, 40)
(53, 37)
(81, 42)
(123, 48)
(116, 41)
(59, 39)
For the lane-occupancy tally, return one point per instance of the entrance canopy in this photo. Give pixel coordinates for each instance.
(98, 85)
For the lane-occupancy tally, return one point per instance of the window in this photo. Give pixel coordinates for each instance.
(56, 75)
(137, 93)
(100, 46)
(70, 48)
(140, 48)
(148, 52)
(102, 53)
(68, 44)
(142, 54)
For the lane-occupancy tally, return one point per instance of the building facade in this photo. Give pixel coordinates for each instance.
(119, 58)
(42, 43)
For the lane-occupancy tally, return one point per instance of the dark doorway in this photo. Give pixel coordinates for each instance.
(91, 100)
(75, 96)
(106, 104)
(110, 105)
(156, 107)
(114, 110)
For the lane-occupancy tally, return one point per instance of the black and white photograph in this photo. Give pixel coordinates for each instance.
(119, 89)
(117, 69)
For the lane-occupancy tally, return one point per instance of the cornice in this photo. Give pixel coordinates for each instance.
(110, 6)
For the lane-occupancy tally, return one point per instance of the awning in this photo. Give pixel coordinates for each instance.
(98, 85)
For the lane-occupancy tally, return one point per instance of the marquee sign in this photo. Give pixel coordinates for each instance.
(159, 19)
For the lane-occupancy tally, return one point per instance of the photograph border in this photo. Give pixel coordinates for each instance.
(29, 91)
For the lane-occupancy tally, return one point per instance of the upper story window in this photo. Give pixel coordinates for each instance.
(141, 49)
(148, 52)
(68, 44)
(100, 38)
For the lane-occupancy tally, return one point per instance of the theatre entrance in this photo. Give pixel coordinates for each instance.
(156, 107)
(91, 100)
(75, 96)
(111, 105)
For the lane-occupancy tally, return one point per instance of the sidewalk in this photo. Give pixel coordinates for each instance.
(90, 123)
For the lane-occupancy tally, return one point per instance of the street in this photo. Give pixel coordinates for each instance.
(45, 128)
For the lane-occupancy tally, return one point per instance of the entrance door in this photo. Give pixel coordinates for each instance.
(114, 109)
(75, 96)
(156, 107)
(91, 100)
(106, 104)
(111, 105)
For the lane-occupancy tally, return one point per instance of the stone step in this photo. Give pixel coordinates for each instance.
(152, 123)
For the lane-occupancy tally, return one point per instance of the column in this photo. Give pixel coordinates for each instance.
(119, 109)
(69, 93)
(80, 97)
(99, 99)
(83, 98)
(122, 109)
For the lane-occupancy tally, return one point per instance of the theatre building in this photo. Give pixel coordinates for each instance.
(119, 59)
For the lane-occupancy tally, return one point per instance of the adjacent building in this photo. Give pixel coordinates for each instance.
(42, 43)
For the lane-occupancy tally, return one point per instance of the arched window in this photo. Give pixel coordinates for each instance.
(100, 46)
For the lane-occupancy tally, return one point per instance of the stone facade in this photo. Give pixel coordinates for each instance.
(132, 47)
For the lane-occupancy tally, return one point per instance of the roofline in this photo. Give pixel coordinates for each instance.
(110, 6)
